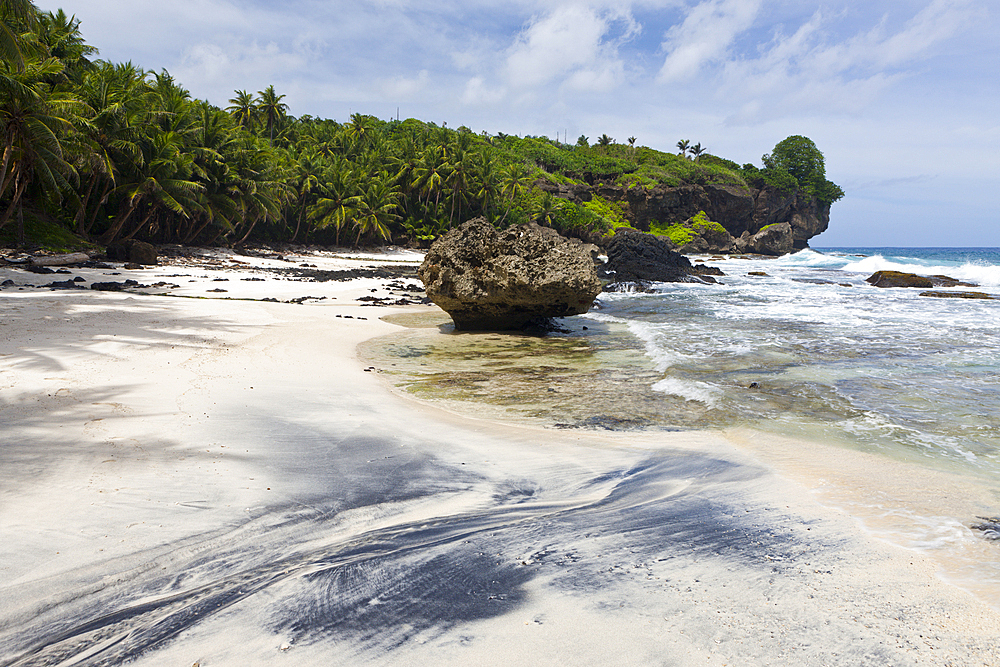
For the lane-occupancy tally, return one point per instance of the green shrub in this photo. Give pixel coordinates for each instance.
(678, 234)
(610, 213)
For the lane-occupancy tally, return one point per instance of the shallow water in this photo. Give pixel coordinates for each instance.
(809, 351)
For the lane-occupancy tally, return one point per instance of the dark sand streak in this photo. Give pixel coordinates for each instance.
(644, 505)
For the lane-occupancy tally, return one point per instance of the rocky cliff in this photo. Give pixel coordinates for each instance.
(737, 209)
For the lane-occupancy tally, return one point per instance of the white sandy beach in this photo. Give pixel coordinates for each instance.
(218, 481)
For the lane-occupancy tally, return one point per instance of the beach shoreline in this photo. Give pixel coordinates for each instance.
(358, 525)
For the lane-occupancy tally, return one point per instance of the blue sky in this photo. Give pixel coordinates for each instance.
(901, 96)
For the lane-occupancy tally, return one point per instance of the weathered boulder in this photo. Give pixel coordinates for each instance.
(902, 279)
(131, 250)
(637, 257)
(490, 279)
(774, 239)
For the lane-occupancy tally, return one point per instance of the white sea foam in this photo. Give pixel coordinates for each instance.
(987, 275)
(808, 258)
(652, 335)
(690, 390)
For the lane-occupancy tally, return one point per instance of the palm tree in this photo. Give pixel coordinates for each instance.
(376, 207)
(697, 151)
(270, 106)
(119, 97)
(604, 141)
(430, 173)
(33, 122)
(337, 207)
(545, 209)
(361, 131)
(304, 171)
(514, 179)
(683, 146)
(16, 16)
(162, 185)
(60, 35)
(243, 109)
(457, 177)
(487, 184)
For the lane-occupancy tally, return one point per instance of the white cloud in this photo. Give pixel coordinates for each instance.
(572, 44)
(812, 70)
(404, 88)
(477, 93)
(705, 36)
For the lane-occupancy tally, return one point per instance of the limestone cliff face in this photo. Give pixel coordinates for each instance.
(737, 209)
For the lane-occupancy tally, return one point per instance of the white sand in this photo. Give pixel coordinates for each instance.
(229, 475)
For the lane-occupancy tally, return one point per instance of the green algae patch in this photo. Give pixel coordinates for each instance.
(591, 375)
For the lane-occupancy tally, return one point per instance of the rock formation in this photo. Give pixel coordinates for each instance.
(901, 279)
(490, 279)
(737, 209)
(776, 239)
(704, 236)
(637, 258)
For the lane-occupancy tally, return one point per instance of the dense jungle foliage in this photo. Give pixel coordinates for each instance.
(111, 150)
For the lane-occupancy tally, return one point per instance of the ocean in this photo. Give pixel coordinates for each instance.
(808, 351)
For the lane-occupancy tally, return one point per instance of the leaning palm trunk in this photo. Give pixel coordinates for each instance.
(112, 233)
(97, 208)
(247, 235)
(81, 213)
(145, 221)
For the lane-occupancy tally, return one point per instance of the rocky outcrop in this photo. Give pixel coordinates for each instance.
(490, 279)
(702, 235)
(737, 209)
(776, 239)
(131, 250)
(902, 279)
(636, 258)
(960, 295)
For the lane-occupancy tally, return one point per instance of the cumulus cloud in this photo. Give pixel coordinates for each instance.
(814, 67)
(705, 36)
(572, 43)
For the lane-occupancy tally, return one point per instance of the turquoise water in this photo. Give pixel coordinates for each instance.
(809, 350)
(812, 349)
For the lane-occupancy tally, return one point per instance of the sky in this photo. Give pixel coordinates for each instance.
(902, 96)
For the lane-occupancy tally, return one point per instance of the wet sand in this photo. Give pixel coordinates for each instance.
(226, 482)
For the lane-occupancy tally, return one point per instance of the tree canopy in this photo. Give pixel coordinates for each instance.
(799, 157)
(112, 150)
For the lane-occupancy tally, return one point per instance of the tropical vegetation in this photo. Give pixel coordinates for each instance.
(113, 151)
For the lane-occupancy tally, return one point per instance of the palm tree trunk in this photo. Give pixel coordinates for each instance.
(194, 234)
(3, 169)
(116, 227)
(302, 212)
(245, 236)
(97, 208)
(81, 214)
(141, 224)
(20, 222)
(20, 185)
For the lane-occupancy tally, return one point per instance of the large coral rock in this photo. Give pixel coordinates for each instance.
(774, 239)
(490, 279)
